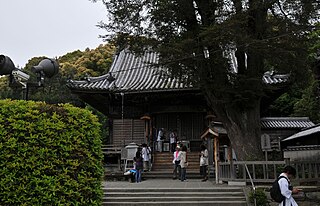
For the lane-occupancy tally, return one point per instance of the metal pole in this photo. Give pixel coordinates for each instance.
(27, 92)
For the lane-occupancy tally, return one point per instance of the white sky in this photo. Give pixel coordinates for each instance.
(51, 28)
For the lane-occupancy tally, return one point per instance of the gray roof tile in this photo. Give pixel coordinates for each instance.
(286, 122)
(138, 74)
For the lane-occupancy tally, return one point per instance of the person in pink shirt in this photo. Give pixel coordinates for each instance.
(176, 163)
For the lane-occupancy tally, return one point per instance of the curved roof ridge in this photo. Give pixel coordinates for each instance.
(134, 73)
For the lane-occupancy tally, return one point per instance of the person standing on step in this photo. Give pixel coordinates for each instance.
(150, 158)
(138, 165)
(173, 140)
(176, 163)
(183, 163)
(285, 187)
(145, 156)
(204, 162)
(160, 139)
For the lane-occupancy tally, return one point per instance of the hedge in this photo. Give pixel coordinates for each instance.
(49, 155)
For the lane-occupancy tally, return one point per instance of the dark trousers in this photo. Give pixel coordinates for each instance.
(138, 175)
(177, 170)
(173, 147)
(183, 174)
(204, 171)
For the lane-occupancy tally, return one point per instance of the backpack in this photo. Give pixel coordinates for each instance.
(275, 191)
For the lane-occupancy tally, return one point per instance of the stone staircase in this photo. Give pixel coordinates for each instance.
(215, 196)
(163, 161)
(162, 165)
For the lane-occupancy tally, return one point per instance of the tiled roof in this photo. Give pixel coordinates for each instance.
(303, 133)
(135, 73)
(269, 123)
(285, 122)
(300, 148)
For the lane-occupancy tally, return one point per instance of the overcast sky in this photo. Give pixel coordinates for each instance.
(51, 28)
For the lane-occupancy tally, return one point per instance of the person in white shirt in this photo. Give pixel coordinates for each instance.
(150, 158)
(173, 140)
(160, 139)
(176, 163)
(183, 163)
(285, 187)
(145, 156)
(204, 162)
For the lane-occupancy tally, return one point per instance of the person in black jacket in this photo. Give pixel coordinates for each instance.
(138, 165)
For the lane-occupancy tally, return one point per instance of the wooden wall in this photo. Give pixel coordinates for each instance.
(189, 125)
(128, 130)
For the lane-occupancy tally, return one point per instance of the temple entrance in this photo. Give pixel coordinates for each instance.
(187, 126)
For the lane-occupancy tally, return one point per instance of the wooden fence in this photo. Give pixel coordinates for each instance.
(267, 171)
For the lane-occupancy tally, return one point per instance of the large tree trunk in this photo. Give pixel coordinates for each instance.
(243, 127)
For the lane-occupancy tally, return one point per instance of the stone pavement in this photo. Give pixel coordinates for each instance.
(162, 183)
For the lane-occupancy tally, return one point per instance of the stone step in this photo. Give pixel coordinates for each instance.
(165, 173)
(177, 194)
(170, 167)
(170, 155)
(164, 168)
(162, 198)
(166, 189)
(178, 203)
(215, 196)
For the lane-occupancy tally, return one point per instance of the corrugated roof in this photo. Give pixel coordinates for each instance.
(306, 132)
(285, 122)
(134, 73)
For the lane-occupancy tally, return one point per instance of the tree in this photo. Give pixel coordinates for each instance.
(303, 97)
(194, 38)
(74, 65)
(91, 62)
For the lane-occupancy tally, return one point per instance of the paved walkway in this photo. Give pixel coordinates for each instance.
(162, 183)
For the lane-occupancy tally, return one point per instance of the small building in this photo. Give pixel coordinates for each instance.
(304, 145)
(275, 129)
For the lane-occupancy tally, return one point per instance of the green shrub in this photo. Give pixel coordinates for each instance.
(49, 155)
(260, 196)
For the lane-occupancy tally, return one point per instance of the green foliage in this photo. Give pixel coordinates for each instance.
(103, 120)
(309, 104)
(299, 100)
(91, 62)
(49, 155)
(260, 196)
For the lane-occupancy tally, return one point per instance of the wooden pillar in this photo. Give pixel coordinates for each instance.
(230, 159)
(146, 128)
(216, 158)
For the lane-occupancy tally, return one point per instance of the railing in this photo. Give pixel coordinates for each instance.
(261, 171)
(267, 171)
(252, 184)
(307, 171)
(111, 149)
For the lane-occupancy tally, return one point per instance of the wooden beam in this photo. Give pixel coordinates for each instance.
(216, 158)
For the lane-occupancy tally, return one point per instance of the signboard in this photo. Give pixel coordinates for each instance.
(265, 142)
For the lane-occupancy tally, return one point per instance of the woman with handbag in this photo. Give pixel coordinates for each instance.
(204, 162)
(183, 163)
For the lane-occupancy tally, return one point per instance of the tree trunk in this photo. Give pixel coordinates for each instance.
(243, 127)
